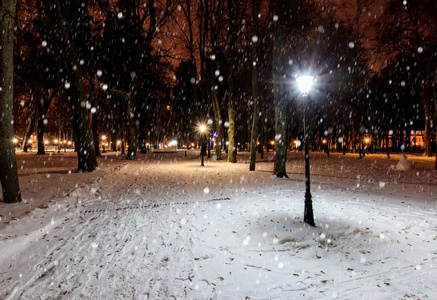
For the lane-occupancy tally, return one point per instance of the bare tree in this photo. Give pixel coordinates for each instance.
(75, 92)
(280, 115)
(8, 164)
(255, 89)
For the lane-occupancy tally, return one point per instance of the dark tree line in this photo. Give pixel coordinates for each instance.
(106, 67)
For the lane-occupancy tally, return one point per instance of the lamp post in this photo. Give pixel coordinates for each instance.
(304, 83)
(202, 129)
(103, 143)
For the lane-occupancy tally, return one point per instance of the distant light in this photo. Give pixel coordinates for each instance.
(324, 141)
(202, 128)
(367, 140)
(272, 142)
(103, 137)
(305, 83)
(46, 142)
(173, 143)
(69, 142)
(56, 141)
(14, 140)
(118, 142)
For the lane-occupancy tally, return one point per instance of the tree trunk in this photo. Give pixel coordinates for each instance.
(280, 114)
(8, 163)
(132, 138)
(40, 132)
(428, 117)
(387, 148)
(114, 135)
(434, 91)
(255, 90)
(232, 157)
(29, 130)
(217, 114)
(94, 122)
(76, 96)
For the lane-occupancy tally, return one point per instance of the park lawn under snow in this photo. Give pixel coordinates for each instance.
(162, 227)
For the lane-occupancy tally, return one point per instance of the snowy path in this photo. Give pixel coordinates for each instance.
(164, 228)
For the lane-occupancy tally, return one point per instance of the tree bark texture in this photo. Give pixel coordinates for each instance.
(8, 163)
(232, 156)
(79, 115)
(255, 90)
(280, 114)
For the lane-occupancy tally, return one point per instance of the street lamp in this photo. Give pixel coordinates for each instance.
(103, 143)
(202, 129)
(304, 83)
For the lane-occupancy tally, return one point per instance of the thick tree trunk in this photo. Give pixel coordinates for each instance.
(232, 157)
(76, 96)
(94, 122)
(8, 164)
(255, 90)
(280, 115)
(40, 132)
(95, 129)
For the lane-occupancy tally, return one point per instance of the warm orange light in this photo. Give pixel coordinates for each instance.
(272, 142)
(14, 140)
(324, 141)
(46, 142)
(103, 137)
(367, 140)
(118, 142)
(56, 141)
(202, 128)
(30, 141)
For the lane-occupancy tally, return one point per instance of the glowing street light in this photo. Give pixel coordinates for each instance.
(103, 143)
(305, 83)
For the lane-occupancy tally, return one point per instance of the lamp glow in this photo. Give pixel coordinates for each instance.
(305, 83)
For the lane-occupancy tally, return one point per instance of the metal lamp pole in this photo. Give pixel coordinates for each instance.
(305, 83)
(202, 129)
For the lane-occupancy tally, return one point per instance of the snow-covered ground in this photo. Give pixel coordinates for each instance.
(162, 227)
